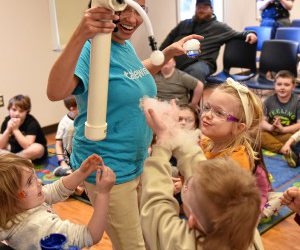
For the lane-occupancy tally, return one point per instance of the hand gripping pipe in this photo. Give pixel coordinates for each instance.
(96, 126)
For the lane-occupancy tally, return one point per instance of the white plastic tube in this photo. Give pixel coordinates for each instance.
(143, 14)
(96, 126)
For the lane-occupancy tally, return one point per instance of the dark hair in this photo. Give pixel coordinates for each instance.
(90, 4)
(20, 101)
(285, 74)
(195, 113)
(70, 102)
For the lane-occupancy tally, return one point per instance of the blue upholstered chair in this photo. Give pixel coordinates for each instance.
(237, 54)
(289, 33)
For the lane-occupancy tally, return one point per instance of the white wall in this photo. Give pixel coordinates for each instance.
(27, 56)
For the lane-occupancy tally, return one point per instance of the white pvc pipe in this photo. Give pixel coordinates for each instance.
(143, 14)
(96, 126)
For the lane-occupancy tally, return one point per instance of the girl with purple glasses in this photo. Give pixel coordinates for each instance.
(228, 115)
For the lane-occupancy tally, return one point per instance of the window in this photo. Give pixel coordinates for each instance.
(186, 9)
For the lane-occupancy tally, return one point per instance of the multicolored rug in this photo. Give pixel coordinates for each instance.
(44, 170)
(283, 177)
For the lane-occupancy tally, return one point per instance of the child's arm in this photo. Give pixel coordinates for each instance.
(24, 140)
(90, 165)
(5, 136)
(287, 129)
(266, 126)
(60, 153)
(64, 187)
(291, 198)
(104, 183)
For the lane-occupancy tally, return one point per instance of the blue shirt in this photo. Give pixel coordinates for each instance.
(128, 135)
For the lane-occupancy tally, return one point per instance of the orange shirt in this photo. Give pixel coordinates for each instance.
(239, 154)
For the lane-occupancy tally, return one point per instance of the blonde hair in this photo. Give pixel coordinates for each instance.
(11, 167)
(255, 115)
(233, 192)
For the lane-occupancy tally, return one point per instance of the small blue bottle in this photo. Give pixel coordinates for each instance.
(56, 242)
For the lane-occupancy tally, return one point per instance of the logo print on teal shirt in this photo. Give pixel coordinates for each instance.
(136, 74)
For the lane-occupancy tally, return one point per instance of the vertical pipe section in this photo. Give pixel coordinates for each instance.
(95, 126)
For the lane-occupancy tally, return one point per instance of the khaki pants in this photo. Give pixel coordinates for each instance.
(273, 141)
(124, 227)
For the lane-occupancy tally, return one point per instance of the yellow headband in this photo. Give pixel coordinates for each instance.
(243, 94)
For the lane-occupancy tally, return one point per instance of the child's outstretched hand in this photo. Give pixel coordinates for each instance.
(91, 164)
(291, 198)
(105, 179)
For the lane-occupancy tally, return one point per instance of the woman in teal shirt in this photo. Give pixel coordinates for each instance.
(128, 136)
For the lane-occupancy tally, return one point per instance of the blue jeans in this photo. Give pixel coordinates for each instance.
(200, 70)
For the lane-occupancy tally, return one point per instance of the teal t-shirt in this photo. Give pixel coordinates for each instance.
(128, 136)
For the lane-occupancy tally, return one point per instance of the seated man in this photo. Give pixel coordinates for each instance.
(173, 83)
(215, 34)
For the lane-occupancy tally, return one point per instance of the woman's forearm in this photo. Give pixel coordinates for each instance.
(62, 81)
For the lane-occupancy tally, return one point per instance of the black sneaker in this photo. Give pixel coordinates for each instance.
(62, 171)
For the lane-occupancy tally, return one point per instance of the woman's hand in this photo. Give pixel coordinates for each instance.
(176, 48)
(96, 20)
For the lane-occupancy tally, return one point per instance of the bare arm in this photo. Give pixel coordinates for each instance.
(287, 4)
(60, 153)
(61, 81)
(24, 141)
(4, 138)
(104, 183)
(175, 49)
(266, 126)
(197, 95)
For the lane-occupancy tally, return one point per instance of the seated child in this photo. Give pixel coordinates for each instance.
(173, 83)
(21, 133)
(26, 214)
(228, 114)
(64, 136)
(220, 198)
(282, 116)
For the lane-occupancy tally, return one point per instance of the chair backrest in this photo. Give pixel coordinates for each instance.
(296, 23)
(278, 55)
(239, 54)
(263, 34)
(289, 33)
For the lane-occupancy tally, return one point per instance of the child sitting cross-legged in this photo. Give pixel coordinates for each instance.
(220, 199)
(26, 214)
(21, 133)
(282, 117)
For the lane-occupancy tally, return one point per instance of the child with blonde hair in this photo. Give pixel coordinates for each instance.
(26, 214)
(220, 199)
(228, 116)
